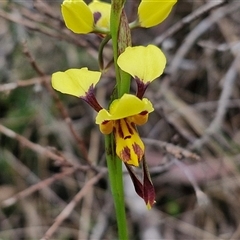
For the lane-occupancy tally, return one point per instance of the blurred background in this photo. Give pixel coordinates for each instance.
(53, 176)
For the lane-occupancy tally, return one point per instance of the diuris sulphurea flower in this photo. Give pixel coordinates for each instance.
(144, 64)
(82, 18)
(79, 83)
(121, 119)
(153, 12)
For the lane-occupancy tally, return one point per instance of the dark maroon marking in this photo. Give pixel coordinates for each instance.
(129, 128)
(125, 154)
(138, 150)
(105, 122)
(120, 132)
(114, 130)
(91, 99)
(141, 87)
(96, 16)
(143, 113)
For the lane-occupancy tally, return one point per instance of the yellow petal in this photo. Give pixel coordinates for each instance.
(145, 63)
(75, 82)
(77, 16)
(128, 105)
(129, 146)
(106, 127)
(103, 9)
(140, 118)
(153, 12)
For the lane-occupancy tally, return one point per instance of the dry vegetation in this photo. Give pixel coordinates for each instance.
(53, 179)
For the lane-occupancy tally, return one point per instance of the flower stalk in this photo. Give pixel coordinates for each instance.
(125, 111)
(121, 38)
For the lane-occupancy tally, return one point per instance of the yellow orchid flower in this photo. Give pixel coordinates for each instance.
(121, 119)
(82, 18)
(101, 12)
(144, 64)
(79, 83)
(153, 12)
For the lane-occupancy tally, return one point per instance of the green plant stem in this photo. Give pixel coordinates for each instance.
(113, 162)
(116, 181)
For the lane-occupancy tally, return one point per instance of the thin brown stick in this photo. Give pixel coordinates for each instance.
(59, 104)
(36, 187)
(68, 209)
(188, 19)
(60, 34)
(176, 151)
(229, 80)
(29, 24)
(22, 83)
(35, 147)
(45, 151)
(200, 29)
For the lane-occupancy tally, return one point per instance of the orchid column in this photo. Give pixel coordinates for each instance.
(119, 120)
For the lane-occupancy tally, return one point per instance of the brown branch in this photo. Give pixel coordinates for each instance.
(51, 31)
(36, 187)
(22, 83)
(188, 19)
(59, 104)
(176, 151)
(69, 208)
(44, 8)
(35, 147)
(228, 85)
(200, 29)
(45, 152)
(29, 24)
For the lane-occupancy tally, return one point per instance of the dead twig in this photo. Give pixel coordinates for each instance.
(33, 146)
(60, 34)
(227, 88)
(36, 187)
(188, 19)
(200, 29)
(69, 208)
(59, 104)
(176, 151)
(22, 83)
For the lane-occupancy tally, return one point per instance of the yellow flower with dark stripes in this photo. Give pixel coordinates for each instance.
(121, 119)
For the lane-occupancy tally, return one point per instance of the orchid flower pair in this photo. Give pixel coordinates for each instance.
(144, 64)
(95, 17)
(129, 110)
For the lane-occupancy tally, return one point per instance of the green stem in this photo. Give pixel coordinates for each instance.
(121, 38)
(100, 52)
(116, 181)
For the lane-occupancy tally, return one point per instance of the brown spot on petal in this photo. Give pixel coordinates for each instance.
(138, 151)
(96, 16)
(143, 113)
(125, 154)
